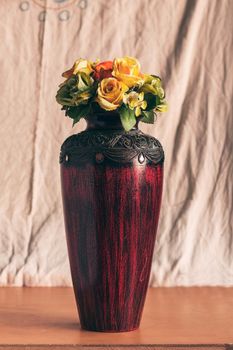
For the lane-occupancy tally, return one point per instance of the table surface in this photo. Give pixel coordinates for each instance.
(47, 318)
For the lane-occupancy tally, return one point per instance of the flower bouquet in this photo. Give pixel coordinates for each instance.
(118, 85)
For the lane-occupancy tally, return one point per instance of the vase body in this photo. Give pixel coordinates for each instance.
(111, 188)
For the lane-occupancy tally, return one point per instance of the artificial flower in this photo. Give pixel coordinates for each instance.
(110, 93)
(152, 85)
(135, 101)
(112, 85)
(127, 70)
(83, 89)
(80, 66)
(162, 107)
(103, 70)
(76, 90)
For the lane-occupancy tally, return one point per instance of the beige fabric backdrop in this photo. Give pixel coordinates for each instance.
(190, 45)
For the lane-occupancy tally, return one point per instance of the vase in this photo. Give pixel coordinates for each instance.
(111, 190)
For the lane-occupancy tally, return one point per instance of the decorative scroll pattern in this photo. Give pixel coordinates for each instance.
(117, 146)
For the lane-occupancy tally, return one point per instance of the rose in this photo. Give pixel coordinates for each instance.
(76, 90)
(80, 66)
(83, 90)
(163, 107)
(110, 93)
(103, 70)
(152, 85)
(127, 70)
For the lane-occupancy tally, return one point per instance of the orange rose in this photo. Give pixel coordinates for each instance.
(103, 70)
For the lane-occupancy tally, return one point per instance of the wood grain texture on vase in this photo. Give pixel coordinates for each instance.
(111, 187)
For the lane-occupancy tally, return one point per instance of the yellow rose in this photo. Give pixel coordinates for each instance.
(127, 70)
(80, 66)
(110, 93)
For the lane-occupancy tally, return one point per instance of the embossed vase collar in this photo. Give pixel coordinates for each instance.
(107, 145)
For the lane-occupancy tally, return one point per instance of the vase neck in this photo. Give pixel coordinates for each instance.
(106, 121)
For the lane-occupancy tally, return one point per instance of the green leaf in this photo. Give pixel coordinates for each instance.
(76, 113)
(127, 116)
(148, 117)
(152, 101)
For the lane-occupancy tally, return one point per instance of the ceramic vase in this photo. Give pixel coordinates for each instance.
(111, 188)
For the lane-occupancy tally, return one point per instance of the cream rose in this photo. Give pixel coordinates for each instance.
(127, 70)
(80, 66)
(110, 93)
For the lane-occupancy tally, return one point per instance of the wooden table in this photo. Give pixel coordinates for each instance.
(46, 318)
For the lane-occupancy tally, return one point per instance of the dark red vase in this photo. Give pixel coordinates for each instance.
(111, 187)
